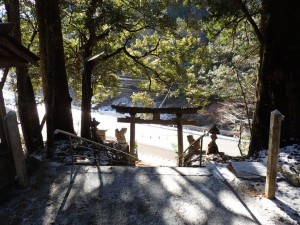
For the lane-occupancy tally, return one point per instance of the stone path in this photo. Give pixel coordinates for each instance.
(126, 195)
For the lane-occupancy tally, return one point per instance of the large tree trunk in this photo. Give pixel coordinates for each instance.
(55, 83)
(3, 137)
(87, 91)
(87, 94)
(3, 143)
(279, 75)
(27, 108)
(43, 70)
(28, 113)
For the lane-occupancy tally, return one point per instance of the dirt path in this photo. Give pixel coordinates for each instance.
(155, 156)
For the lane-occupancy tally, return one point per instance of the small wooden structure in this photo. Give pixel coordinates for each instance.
(101, 134)
(12, 54)
(179, 121)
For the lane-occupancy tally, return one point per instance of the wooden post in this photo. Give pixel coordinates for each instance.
(180, 139)
(132, 138)
(15, 142)
(274, 143)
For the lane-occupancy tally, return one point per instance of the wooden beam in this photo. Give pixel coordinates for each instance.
(175, 110)
(159, 121)
(18, 49)
(7, 64)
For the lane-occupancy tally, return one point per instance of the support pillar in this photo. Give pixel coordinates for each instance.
(180, 138)
(132, 138)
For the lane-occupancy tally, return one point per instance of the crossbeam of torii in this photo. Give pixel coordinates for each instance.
(178, 121)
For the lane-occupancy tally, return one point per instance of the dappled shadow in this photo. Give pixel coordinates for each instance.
(288, 210)
(73, 173)
(27, 206)
(128, 195)
(156, 195)
(223, 197)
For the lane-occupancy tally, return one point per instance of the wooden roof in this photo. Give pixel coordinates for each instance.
(12, 52)
(172, 110)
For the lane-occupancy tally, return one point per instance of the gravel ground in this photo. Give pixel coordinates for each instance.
(60, 194)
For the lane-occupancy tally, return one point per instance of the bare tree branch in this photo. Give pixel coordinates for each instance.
(251, 21)
(145, 66)
(102, 35)
(244, 98)
(112, 54)
(136, 30)
(228, 24)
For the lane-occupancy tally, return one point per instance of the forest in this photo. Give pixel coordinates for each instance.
(240, 51)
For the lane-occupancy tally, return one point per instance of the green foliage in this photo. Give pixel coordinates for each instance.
(198, 49)
(234, 54)
(142, 99)
(125, 31)
(29, 35)
(229, 52)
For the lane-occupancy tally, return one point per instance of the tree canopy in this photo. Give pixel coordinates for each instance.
(202, 50)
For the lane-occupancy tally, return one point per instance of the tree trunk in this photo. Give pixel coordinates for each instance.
(55, 82)
(62, 115)
(87, 91)
(87, 94)
(43, 70)
(4, 141)
(28, 113)
(279, 76)
(26, 101)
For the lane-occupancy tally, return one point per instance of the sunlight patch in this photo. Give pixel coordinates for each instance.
(230, 202)
(171, 185)
(189, 212)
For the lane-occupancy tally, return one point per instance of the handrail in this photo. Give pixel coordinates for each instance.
(201, 146)
(92, 142)
(202, 136)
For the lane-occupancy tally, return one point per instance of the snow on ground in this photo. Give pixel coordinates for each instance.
(161, 136)
(285, 209)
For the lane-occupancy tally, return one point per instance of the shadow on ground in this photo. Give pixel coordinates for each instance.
(125, 195)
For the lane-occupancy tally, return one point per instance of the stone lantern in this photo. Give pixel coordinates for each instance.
(212, 146)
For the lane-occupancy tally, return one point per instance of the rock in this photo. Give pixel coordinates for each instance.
(290, 176)
(248, 170)
(298, 168)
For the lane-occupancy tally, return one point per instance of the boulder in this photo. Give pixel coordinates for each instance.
(290, 174)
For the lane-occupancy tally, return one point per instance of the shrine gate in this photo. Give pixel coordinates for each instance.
(179, 121)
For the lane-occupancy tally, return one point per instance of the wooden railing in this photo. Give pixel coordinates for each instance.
(186, 158)
(103, 147)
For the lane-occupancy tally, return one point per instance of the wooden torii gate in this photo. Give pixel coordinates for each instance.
(178, 121)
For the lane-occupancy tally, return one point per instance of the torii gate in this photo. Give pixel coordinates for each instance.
(179, 121)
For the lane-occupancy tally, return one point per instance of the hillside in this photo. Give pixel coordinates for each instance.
(227, 115)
